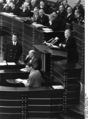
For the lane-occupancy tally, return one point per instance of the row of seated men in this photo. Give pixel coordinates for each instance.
(58, 18)
(33, 62)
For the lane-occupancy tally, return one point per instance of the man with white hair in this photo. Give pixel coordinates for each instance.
(71, 48)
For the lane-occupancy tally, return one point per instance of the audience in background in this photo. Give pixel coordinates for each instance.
(59, 20)
(41, 12)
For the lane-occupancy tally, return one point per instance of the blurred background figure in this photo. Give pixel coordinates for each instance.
(77, 17)
(34, 3)
(1, 5)
(9, 7)
(65, 4)
(69, 18)
(35, 16)
(79, 7)
(43, 19)
(43, 5)
(25, 9)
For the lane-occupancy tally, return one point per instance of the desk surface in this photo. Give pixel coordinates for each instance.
(22, 89)
(17, 66)
(53, 52)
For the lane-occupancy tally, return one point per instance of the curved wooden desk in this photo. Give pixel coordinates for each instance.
(24, 103)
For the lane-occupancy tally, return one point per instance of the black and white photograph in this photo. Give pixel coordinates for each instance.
(42, 59)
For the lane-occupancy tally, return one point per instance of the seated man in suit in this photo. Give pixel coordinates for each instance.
(69, 18)
(43, 19)
(13, 50)
(35, 16)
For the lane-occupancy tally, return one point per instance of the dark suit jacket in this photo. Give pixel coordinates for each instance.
(13, 53)
(44, 20)
(69, 19)
(58, 24)
(27, 13)
(71, 49)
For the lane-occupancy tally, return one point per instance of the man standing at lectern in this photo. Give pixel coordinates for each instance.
(13, 50)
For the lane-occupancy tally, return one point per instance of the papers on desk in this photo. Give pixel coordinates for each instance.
(37, 25)
(57, 87)
(2, 71)
(18, 18)
(24, 70)
(7, 63)
(44, 28)
(47, 30)
(3, 63)
(11, 63)
(8, 14)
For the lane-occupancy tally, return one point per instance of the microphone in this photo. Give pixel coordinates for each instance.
(50, 40)
(55, 40)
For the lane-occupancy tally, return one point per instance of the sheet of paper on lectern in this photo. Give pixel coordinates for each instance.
(57, 87)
